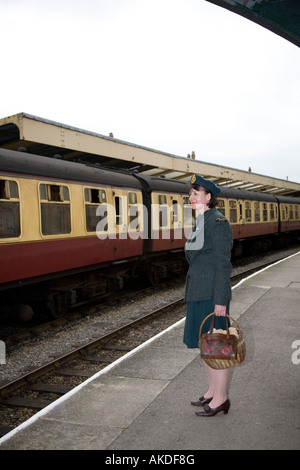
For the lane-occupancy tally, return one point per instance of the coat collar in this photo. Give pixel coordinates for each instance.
(206, 215)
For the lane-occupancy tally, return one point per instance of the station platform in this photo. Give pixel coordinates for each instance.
(142, 401)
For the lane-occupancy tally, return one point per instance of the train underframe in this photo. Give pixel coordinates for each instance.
(59, 294)
(252, 246)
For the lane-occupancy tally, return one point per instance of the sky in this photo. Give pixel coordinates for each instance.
(172, 75)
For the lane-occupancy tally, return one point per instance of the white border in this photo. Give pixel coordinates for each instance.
(57, 402)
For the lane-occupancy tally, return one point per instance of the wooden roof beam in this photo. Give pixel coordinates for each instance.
(38, 130)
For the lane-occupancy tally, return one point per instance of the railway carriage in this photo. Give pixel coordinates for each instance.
(289, 214)
(167, 206)
(170, 221)
(59, 219)
(250, 214)
(260, 221)
(254, 219)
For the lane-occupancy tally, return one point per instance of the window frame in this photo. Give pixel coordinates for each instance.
(96, 197)
(62, 205)
(15, 201)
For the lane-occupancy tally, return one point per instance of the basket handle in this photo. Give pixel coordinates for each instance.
(213, 323)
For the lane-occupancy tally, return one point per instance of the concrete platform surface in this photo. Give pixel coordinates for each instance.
(143, 400)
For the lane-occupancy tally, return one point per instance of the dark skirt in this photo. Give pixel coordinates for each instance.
(195, 314)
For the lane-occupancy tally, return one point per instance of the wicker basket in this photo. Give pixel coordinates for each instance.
(240, 348)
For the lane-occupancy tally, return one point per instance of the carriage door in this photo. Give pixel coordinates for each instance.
(176, 221)
(284, 217)
(120, 223)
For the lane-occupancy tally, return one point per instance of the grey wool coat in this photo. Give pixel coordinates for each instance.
(208, 252)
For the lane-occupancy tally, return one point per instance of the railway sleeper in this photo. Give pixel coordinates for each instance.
(50, 388)
(26, 402)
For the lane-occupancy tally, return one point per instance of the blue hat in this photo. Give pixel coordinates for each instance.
(208, 184)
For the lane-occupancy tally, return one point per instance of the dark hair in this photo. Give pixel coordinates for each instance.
(213, 202)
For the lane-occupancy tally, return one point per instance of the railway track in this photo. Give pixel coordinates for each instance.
(22, 397)
(40, 387)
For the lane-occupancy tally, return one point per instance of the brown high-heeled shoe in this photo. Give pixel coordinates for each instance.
(202, 401)
(208, 411)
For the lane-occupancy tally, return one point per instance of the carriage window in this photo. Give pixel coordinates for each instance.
(265, 212)
(95, 209)
(272, 212)
(119, 215)
(188, 212)
(10, 226)
(221, 206)
(163, 210)
(55, 209)
(291, 212)
(133, 212)
(132, 198)
(297, 212)
(283, 212)
(175, 211)
(257, 212)
(94, 195)
(248, 211)
(162, 199)
(232, 211)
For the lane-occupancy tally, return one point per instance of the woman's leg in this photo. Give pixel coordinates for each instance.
(211, 384)
(217, 385)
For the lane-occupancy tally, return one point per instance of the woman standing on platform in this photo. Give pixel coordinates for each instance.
(208, 289)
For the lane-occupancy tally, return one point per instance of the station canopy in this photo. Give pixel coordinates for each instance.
(39, 136)
(282, 17)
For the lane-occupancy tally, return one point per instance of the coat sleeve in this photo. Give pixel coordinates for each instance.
(222, 245)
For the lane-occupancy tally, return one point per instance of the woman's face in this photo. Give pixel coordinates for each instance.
(199, 199)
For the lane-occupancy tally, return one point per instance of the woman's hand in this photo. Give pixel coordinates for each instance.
(220, 310)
